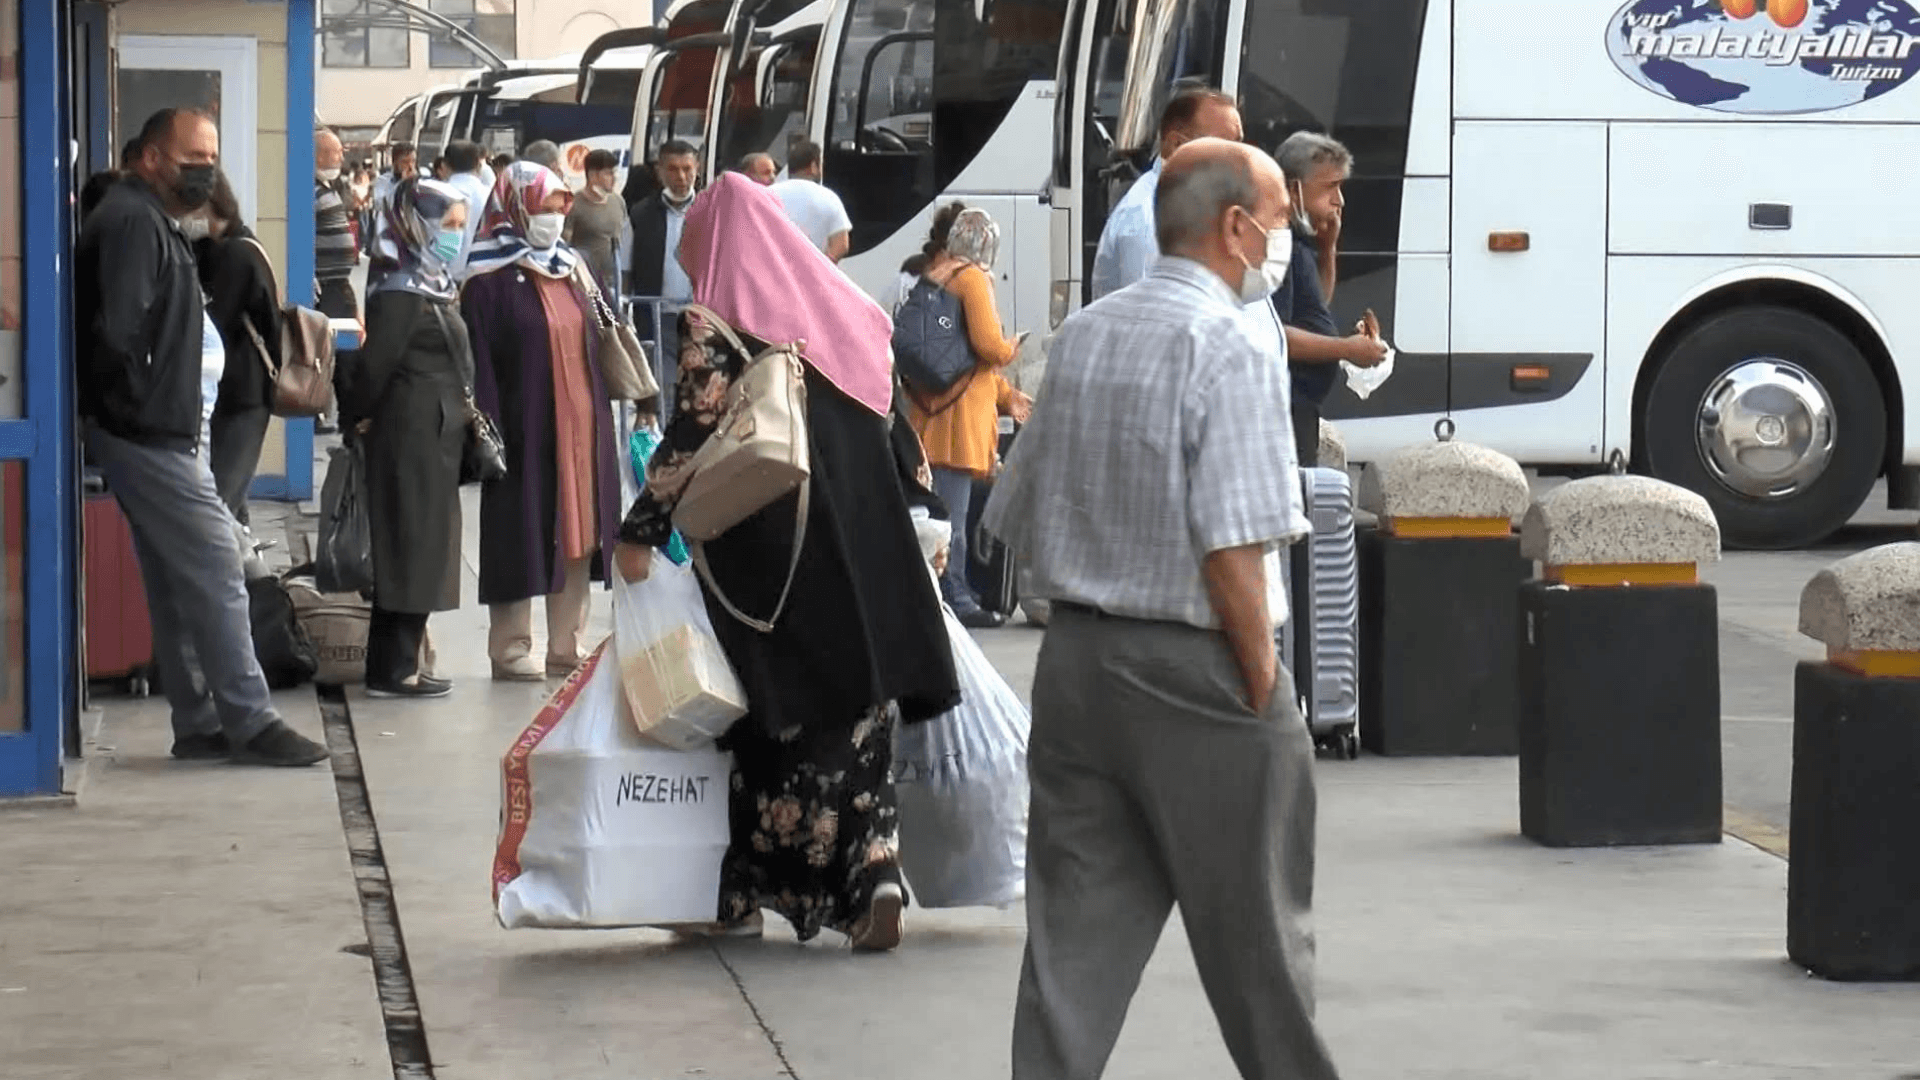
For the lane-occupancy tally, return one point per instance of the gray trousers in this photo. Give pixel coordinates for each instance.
(1154, 785)
(234, 455)
(196, 591)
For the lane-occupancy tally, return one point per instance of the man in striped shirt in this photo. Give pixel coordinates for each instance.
(1168, 762)
(335, 255)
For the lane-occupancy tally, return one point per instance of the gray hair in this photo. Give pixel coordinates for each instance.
(1300, 156)
(1189, 203)
(543, 152)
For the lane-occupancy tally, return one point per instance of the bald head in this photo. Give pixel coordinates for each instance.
(761, 167)
(1216, 203)
(327, 153)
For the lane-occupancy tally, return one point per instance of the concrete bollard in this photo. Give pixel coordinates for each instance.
(1620, 667)
(1853, 882)
(1333, 449)
(1439, 577)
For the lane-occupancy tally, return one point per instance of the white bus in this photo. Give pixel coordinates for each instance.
(1669, 229)
(917, 103)
(763, 76)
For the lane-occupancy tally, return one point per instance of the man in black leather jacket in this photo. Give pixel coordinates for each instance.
(142, 332)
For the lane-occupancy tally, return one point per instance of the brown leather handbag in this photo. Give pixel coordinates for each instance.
(301, 369)
(624, 367)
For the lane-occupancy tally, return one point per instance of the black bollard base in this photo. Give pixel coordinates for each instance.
(1619, 715)
(1854, 871)
(1438, 674)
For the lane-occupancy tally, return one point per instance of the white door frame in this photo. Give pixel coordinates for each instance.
(237, 59)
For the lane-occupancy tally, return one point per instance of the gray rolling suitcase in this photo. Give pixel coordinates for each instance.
(1324, 643)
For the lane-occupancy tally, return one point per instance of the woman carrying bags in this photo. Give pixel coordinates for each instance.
(535, 342)
(409, 396)
(860, 638)
(961, 427)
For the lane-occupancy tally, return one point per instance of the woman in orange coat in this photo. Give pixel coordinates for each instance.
(961, 428)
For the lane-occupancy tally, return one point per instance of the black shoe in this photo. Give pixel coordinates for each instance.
(416, 686)
(323, 426)
(982, 619)
(279, 744)
(204, 747)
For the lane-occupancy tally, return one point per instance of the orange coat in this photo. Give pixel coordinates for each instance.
(961, 428)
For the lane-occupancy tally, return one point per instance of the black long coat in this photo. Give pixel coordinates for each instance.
(410, 382)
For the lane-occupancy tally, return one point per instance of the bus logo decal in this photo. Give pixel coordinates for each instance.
(1767, 57)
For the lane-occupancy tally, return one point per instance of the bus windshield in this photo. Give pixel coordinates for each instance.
(764, 113)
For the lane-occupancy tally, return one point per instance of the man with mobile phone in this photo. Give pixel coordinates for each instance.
(1317, 168)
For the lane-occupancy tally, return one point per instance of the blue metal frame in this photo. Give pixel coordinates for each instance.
(302, 30)
(44, 439)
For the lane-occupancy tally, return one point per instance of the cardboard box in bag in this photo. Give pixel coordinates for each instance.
(681, 689)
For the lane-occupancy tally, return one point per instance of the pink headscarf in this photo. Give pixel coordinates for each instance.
(758, 271)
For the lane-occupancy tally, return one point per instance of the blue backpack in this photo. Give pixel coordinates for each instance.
(930, 347)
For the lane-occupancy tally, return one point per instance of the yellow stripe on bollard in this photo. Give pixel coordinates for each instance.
(1620, 575)
(1425, 528)
(1876, 664)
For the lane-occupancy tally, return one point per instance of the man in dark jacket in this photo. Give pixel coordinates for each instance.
(142, 331)
(656, 274)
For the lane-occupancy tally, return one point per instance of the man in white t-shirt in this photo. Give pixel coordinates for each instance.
(811, 205)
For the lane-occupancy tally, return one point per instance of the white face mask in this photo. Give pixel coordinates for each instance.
(543, 230)
(327, 176)
(1259, 282)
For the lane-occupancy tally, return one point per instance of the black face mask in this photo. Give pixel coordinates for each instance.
(193, 187)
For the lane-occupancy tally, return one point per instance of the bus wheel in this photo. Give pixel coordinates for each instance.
(1773, 416)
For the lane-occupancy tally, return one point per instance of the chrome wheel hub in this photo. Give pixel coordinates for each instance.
(1766, 428)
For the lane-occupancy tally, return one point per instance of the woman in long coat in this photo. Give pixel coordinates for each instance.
(408, 394)
(543, 528)
(861, 640)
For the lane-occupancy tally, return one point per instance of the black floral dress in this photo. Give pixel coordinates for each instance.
(814, 826)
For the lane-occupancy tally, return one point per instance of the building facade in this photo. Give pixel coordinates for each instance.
(370, 62)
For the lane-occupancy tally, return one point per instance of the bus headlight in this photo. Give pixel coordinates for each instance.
(1057, 303)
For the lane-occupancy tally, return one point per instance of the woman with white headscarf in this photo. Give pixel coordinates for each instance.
(960, 428)
(408, 392)
(545, 527)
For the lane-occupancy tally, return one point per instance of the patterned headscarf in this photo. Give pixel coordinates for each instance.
(502, 240)
(975, 237)
(403, 245)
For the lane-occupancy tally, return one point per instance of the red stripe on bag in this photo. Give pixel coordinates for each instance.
(518, 808)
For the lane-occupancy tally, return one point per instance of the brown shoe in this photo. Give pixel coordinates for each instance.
(884, 926)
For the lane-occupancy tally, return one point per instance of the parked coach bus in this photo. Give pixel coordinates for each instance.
(1678, 229)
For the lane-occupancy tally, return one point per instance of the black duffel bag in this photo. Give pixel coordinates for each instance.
(280, 643)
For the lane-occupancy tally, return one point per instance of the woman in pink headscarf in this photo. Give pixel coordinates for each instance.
(543, 527)
(861, 639)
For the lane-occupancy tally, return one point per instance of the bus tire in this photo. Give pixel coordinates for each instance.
(1733, 414)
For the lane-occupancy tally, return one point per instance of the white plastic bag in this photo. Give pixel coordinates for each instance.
(678, 683)
(600, 828)
(961, 783)
(1364, 381)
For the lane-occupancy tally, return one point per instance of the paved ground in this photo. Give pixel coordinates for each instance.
(203, 921)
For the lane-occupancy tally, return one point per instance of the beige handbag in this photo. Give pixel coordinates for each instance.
(624, 366)
(758, 452)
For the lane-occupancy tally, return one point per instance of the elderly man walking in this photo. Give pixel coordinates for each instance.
(1169, 763)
